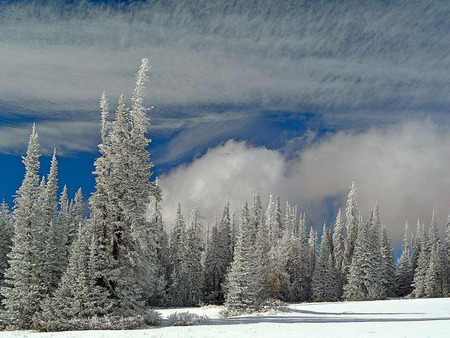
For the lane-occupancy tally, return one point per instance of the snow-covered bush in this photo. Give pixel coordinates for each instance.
(186, 319)
(150, 318)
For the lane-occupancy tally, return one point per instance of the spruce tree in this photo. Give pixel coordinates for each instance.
(218, 257)
(447, 251)
(25, 290)
(363, 280)
(352, 224)
(176, 244)
(325, 283)
(388, 266)
(242, 289)
(191, 265)
(6, 232)
(404, 273)
(339, 250)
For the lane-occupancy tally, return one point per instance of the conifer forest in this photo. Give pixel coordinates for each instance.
(62, 268)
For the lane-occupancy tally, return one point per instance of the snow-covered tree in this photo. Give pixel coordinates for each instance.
(25, 291)
(218, 257)
(424, 245)
(6, 232)
(261, 244)
(191, 265)
(339, 250)
(352, 223)
(325, 283)
(447, 251)
(242, 288)
(79, 294)
(404, 272)
(436, 275)
(297, 253)
(363, 280)
(76, 209)
(388, 266)
(53, 231)
(176, 244)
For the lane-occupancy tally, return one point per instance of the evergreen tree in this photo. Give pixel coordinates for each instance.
(404, 272)
(78, 295)
(447, 251)
(6, 232)
(352, 224)
(312, 243)
(339, 250)
(435, 274)
(364, 276)
(325, 284)
(218, 257)
(242, 289)
(435, 277)
(24, 290)
(388, 266)
(53, 233)
(191, 265)
(261, 245)
(177, 240)
(75, 221)
(298, 257)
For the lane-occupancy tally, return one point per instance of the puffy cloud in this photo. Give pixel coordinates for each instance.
(231, 171)
(404, 167)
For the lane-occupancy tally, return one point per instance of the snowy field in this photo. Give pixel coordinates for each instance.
(394, 318)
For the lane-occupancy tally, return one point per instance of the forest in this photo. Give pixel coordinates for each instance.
(63, 270)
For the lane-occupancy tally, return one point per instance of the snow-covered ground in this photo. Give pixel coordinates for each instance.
(392, 318)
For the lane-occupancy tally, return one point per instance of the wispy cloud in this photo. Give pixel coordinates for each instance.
(354, 63)
(66, 136)
(403, 167)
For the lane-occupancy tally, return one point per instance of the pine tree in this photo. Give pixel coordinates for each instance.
(261, 244)
(53, 232)
(176, 244)
(364, 276)
(404, 272)
(447, 251)
(388, 266)
(352, 224)
(298, 257)
(325, 284)
(191, 265)
(78, 295)
(435, 277)
(218, 257)
(339, 250)
(242, 290)
(435, 274)
(24, 290)
(6, 232)
(122, 245)
(75, 221)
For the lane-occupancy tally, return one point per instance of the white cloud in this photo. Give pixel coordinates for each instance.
(371, 60)
(66, 136)
(403, 167)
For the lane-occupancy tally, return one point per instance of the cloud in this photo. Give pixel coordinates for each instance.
(404, 167)
(66, 136)
(353, 63)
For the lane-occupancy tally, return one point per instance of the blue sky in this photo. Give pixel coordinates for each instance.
(291, 97)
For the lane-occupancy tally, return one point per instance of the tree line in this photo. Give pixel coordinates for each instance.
(60, 270)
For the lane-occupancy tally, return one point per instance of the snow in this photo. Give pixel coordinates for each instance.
(390, 318)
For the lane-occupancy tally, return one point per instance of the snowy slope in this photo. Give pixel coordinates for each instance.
(392, 318)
